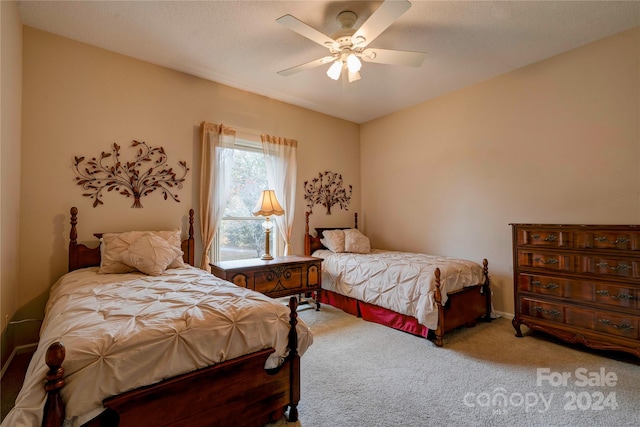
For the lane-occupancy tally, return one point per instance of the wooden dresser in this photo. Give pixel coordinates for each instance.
(580, 283)
(279, 277)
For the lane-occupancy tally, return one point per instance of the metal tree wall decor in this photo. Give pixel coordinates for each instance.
(147, 173)
(327, 190)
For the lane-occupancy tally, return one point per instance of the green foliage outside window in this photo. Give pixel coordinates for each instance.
(241, 234)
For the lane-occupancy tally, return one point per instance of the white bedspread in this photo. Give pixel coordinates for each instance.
(123, 331)
(400, 281)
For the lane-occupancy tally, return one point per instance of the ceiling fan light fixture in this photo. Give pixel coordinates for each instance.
(353, 77)
(335, 70)
(353, 63)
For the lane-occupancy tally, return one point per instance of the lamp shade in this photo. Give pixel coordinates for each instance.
(267, 205)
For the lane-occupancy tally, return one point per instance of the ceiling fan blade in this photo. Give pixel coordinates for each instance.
(307, 66)
(380, 20)
(393, 57)
(303, 29)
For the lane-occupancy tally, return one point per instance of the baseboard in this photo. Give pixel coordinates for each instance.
(504, 314)
(18, 350)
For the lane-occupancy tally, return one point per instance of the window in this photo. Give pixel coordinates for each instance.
(241, 235)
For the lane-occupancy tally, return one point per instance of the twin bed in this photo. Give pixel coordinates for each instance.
(134, 335)
(421, 294)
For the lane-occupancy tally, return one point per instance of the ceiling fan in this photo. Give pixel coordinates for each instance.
(348, 45)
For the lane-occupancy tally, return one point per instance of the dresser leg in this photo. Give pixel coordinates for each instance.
(516, 325)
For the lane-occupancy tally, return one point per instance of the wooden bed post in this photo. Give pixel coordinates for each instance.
(73, 239)
(440, 329)
(487, 288)
(54, 408)
(294, 392)
(307, 237)
(190, 243)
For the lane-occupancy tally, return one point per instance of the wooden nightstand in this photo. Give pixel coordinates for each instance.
(279, 277)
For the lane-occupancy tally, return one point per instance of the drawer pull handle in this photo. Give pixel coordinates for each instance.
(618, 241)
(619, 267)
(546, 261)
(549, 238)
(606, 293)
(549, 312)
(538, 284)
(607, 322)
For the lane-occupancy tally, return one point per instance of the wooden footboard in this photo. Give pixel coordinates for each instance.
(238, 392)
(464, 306)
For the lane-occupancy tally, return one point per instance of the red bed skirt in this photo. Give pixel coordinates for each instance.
(373, 313)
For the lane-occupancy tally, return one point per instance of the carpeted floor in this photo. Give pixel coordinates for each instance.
(361, 374)
(12, 381)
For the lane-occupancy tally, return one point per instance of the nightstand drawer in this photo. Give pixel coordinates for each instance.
(287, 279)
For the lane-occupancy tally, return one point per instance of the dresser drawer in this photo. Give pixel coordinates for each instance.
(609, 266)
(611, 294)
(609, 240)
(604, 322)
(615, 295)
(591, 319)
(546, 260)
(614, 324)
(548, 238)
(542, 310)
(557, 287)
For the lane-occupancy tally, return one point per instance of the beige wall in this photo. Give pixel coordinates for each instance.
(79, 100)
(11, 94)
(554, 142)
(557, 141)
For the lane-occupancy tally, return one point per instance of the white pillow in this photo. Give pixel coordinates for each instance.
(333, 240)
(113, 244)
(150, 254)
(355, 241)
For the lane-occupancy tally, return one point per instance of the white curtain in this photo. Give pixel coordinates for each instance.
(280, 156)
(215, 181)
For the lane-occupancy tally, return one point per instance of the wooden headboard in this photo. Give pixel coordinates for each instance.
(81, 256)
(311, 243)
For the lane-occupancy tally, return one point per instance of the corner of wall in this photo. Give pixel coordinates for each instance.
(10, 147)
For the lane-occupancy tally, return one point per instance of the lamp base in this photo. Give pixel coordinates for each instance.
(266, 257)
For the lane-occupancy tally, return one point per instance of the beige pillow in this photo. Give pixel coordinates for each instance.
(355, 241)
(174, 238)
(333, 240)
(113, 244)
(150, 254)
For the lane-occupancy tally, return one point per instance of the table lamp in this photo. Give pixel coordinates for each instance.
(267, 205)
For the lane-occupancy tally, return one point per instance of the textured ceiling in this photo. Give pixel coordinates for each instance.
(239, 43)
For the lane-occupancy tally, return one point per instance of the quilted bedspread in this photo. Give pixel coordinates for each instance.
(123, 331)
(400, 281)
